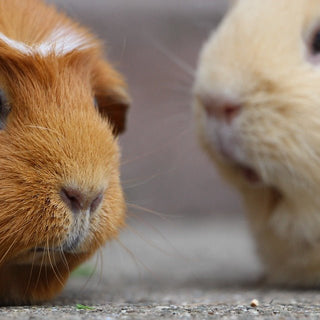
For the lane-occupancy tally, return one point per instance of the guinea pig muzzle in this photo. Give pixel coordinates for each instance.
(228, 147)
(77, 234)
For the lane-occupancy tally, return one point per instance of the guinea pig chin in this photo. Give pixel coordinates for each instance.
(74, 242)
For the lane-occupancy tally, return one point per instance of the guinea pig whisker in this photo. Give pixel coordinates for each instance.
(156, 213)
(55, 270)
(30, 273)
(7, 232)
(190, 71)
(53, 255)
(63, 258)
(143, 182)
(8, 250)
(159, 148)
(149, 242)
(137, 261)
(58, 276)
(97, 255)
(98, 262)
(176, 252)
(101, 265)
(40, 270)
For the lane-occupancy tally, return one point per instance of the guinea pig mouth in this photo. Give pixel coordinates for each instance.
(68, 247)
(42, 250)
(230, 152)
(249, 174)
(71, 247)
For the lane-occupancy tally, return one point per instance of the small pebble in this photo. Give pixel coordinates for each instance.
(162, 307)
(254, 303)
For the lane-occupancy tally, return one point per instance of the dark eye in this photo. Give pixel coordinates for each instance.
(4, 110)
(315, 47)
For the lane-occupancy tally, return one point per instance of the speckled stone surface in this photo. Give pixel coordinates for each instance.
(178, 269)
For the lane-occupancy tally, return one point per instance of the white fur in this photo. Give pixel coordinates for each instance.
(61, 42)
(20, 46)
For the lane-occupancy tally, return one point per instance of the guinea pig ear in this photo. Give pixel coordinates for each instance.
(111, 95)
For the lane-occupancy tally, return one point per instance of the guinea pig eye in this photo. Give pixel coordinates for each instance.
(315, 45)
(4, 110)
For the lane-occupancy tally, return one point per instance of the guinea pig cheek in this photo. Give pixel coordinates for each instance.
(227, 143)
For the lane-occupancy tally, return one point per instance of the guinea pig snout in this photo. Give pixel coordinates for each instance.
(79, 201)
(223, 110)
(220, 125)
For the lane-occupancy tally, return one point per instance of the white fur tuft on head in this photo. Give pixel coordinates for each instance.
(62, 41)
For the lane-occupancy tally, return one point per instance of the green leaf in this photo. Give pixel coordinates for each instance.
(82, 307)
(83, 271)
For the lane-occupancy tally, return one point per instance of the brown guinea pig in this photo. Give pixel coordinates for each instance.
(258, 109)
(62, 106)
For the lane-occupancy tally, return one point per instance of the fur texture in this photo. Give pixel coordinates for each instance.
(260, 58)
(54, 137)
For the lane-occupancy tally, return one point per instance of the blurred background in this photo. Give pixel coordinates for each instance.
(155, 44)
(183, 219)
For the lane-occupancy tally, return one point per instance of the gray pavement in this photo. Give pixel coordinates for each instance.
(175, 269)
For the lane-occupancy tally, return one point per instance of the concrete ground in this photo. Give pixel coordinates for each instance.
(175, 269)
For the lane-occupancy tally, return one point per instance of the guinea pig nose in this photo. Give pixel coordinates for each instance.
(222, 110)
(78, 201)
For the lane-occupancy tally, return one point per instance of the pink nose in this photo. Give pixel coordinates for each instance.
(222, 110)
(78, 201)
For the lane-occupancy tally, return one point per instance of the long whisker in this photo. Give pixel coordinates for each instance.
(51, 264)
(31, 270)
(143, 181)
(40, 270)
(10, 234)
(156, 213)
(131, 254)
(63, 258)
(176, 251)
(151, 243)
(55, 262)
(90, 275)
(159, 148)
(8, 250)
(172, 57)
(101, 265)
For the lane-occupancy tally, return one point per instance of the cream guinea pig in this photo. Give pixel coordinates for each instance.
(257, 106)
(62, 106)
